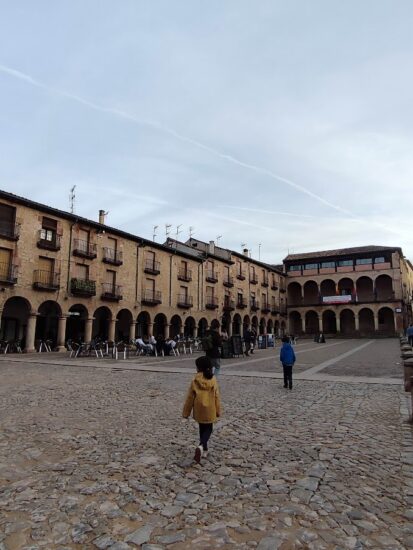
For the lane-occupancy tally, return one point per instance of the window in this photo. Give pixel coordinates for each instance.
(183, 292)
(311, 266)
(5, 262)
(82, 271)
(111, 277)
(380, 260)
(47, 235)
(294, 268)
(343, 263)
(363, 261)
(327, 265)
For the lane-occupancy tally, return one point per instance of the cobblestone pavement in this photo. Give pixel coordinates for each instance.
(99, 458)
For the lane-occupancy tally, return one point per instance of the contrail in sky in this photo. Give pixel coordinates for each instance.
(224, 156)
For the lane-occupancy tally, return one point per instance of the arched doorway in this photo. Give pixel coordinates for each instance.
(366, 322)
(270, 327)
(101, 322)
(47, 322)
(282, 328)
(76, 323)
(159, 325)
(386, 321)
(346, 287)
(329, 322)
(311, 293)
(384, 288)
(254, 323)
(311, 323)
(142, 324)
(14, 320)
(263, 326)
(123, 325)
(295, 324)
(364, 288)
(277, 328)
(246, 324)
(294, 294)
(347, 322)
(226, 322)
(327, 288)
(189, 329)
(215, 324)
(236, 325)
(202, 327)
(175, 328)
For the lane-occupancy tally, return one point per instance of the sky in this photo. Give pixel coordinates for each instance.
(279, 126)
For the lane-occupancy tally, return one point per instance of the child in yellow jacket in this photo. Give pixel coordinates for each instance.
(203, 398)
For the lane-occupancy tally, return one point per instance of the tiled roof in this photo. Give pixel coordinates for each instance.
(341, 252)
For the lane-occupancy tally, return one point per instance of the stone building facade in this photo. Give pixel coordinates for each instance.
(363, 291)
(65, 277)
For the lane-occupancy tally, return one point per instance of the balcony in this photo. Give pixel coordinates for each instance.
(211, 302)
(229, 305)
(152, 297)
(274, 286)
(282, 290)
(275, 310)
(46, 280)
(48, 244)
(184, 301)
(241, 303)
(112, 256)
(253, 279)
(8, 274)
(229, 282)
(265, 308)
(84, 249)
(241, 275)
(212, 276)
(255, 305)
(10, 231)
(82, 287)
(111, 292)
(184, 274)
(265, 283)
(152, 267)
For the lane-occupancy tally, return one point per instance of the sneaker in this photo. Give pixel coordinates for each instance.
(198, 454)
(285, 386)
(204, 453)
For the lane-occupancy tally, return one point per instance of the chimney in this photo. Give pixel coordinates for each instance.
(245, 251)
(211, 247)
(102, 217)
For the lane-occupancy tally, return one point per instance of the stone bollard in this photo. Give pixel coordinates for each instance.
(408, 374)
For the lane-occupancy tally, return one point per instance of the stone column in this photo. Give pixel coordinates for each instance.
(30, 333)
(112, 330)
(132, 330)
(356, 321)
(1, 313)
(166, 330)
(320, 323)
(150, 329)
(303, 324)
(88, 329)
(195, 331)
(61, 333)
(338, 324)
(376, 322)
(230, 329)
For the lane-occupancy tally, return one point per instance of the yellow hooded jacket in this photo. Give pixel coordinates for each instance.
(203, 397)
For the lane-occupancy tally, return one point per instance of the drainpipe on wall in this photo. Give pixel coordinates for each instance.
(68, 260)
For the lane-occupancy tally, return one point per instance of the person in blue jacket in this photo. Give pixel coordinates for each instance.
(287, 358)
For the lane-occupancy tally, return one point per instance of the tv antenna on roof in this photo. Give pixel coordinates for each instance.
(191, 231)
(72, 198)
(167, 229)
(155, 227)
(217, 238)
(178, 230)
(259, 251)
(243, 245)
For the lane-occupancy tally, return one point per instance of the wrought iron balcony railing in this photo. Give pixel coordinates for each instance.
(152, 297)
(229, 282)
(241, 303)
(229, 305)
(255, 305)
(48, 242)
(112, 256)
(211, 302)
(8, 274)
(253, 279)
(9, 230)
(152, 267)
(241, 275)
(185, 301)
(184, 274)
(82, 287)
(265, 308)
(84, 249)
(111, 292)
(46, 280)
(212, 276)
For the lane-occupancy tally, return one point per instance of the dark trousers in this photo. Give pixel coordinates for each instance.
(205, 431)
(288, 376)
(410, 340)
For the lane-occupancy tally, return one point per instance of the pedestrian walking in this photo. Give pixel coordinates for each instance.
(253, 339)
(247, 340)
(409, 334)
(212, 344)
(204, 400)
(287, 358)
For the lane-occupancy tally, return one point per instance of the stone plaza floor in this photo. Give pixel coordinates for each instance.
(94, 453)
